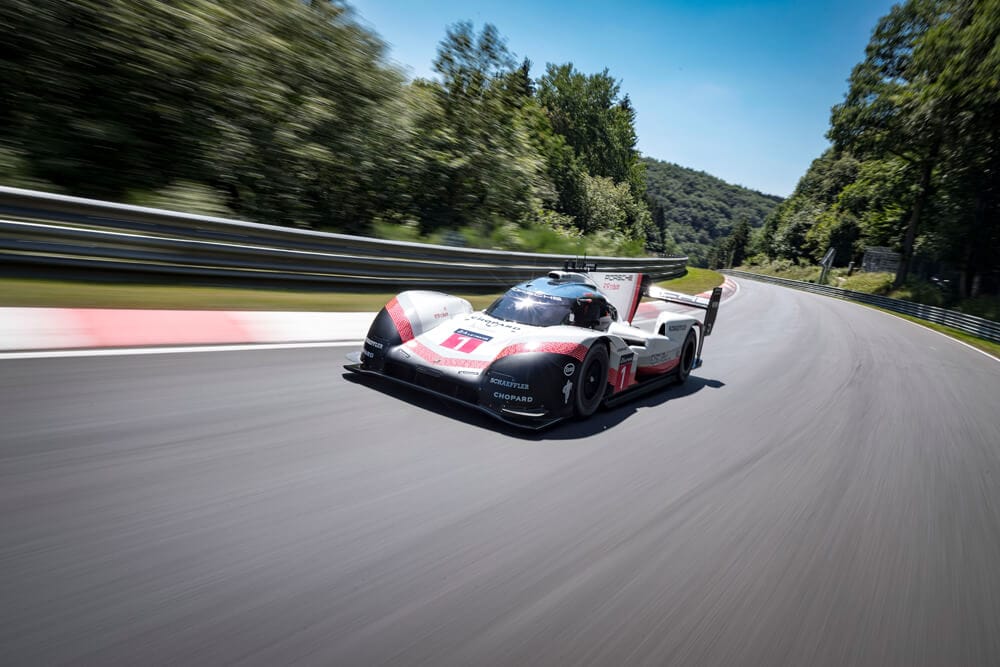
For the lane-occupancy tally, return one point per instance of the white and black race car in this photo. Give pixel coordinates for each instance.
(558, 346)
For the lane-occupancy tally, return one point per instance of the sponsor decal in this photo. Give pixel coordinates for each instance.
(366, 353)
(660, 363)
(510, 384)
(465, 341)
(490, 322)
(677, 327)
(516, 398)
(569, 369)
(662, 357)
(442, 314)
(567, 388)
(538, 296)
(373, 343)
(612, 281)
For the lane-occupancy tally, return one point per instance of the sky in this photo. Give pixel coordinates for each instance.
(740, 90)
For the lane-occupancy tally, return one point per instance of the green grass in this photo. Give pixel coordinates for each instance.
(784, 269)
(28, 292)
(72, 294)
(695, 282)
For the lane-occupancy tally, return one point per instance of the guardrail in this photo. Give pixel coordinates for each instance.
(47, 230)
(977, 326)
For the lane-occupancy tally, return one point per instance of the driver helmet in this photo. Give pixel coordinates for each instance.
(593, 311)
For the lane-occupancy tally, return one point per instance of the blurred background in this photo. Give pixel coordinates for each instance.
(291, 113)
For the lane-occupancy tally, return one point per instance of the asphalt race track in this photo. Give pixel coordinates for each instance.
(824, 491)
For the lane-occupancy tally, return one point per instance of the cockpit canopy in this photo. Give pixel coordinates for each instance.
(548, 302)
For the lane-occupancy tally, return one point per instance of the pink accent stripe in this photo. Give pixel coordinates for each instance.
(116, 328)
(659, 369)
(575, 350)
(400, 320)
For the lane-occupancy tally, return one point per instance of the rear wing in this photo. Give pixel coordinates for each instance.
(709, 305)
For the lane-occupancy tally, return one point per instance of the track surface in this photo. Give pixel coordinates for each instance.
(826, 491)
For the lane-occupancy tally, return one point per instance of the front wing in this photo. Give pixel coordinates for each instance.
(530, 390)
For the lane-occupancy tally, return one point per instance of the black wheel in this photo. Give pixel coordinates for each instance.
(688, 352)
(592, 381)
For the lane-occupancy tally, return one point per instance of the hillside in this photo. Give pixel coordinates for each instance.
(698, 208)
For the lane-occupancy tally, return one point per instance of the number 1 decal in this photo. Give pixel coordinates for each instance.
(623, 376)
(465, 341)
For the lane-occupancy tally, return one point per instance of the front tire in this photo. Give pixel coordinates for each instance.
(688, 352)
(592, 381)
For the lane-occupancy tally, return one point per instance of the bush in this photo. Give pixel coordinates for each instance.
(15, 173)
(981, 306)
(405, 231)
(541, 237)
(869, 283)
(782, 268)
(183, 196)
(920, 291)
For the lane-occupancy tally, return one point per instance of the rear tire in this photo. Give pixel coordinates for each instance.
(592, 381)
(688, 352)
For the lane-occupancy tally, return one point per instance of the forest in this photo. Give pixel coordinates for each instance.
(914, 161)
(698, 211)
(287, 112)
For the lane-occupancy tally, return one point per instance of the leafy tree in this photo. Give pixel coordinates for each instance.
(486, 169)
(739, 240)
(885, 112)
(962, 53)
(278, 104)
(801, 228)
(595, 121)
(611, 206)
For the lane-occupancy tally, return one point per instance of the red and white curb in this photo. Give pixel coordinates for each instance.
(67, 328)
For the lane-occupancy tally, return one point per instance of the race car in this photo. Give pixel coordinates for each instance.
(558, 346)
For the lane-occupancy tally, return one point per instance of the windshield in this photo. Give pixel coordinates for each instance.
(537, 310)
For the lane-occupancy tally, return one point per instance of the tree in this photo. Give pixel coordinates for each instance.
(599, 125)
(886, 111)
(486, 169)
(278, 104)
(962, 53)
(738, 242)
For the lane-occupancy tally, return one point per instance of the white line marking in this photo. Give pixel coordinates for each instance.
(925, 328)
(133, 351)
